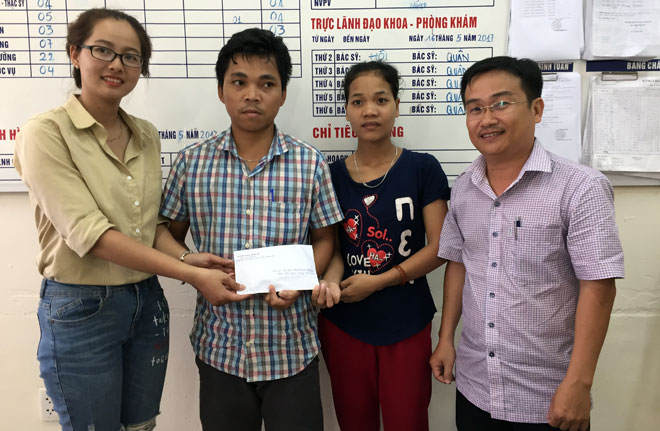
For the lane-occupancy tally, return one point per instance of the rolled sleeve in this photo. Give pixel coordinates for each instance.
(451, 239)
(173, 205)
(325, 207)
(56, 186)
(593, 238)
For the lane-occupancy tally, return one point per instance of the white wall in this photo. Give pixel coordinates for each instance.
(626, 392)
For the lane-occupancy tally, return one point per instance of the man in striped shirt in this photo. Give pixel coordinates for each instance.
(254, 186)
(534, 250)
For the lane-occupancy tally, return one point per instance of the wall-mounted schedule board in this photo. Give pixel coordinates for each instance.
(431, 42)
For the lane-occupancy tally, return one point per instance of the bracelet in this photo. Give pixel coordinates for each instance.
(402, 273)
(185, 253)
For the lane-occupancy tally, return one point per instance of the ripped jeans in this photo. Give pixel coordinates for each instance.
(103, 353)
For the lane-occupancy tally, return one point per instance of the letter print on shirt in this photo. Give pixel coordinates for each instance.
(400, 202)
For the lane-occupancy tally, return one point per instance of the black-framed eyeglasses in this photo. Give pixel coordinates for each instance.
(499, 106)
(106, 54)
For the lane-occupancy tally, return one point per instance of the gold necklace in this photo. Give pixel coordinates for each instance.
(121, 132)
(249, 160)
(396, 153)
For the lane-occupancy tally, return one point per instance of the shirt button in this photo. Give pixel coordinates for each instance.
(136, 203)
(492, 295)
(495, 234)
(248, 343)
(491, 354)
(128, 177)
(491, 325)
(497, 203)
(494, 264)
(248, 245)
(248, 312)
(137, 230)
(248, 211)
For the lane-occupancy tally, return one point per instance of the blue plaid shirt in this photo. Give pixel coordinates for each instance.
(230, 208)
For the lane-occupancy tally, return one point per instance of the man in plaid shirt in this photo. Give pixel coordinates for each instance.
(255, 186)
(533, 252)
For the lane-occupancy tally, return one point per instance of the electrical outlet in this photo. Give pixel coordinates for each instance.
(46, 407)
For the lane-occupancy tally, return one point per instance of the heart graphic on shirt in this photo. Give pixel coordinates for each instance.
(378, 255)
(350, 226)
(353, 226)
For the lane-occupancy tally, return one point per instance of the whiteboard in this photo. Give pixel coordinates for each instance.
(431, 43)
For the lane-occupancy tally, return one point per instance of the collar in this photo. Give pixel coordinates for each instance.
(538, 161)
(82, 119)
(278, 146)
(78, 114)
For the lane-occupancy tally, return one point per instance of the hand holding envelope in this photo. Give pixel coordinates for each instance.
(286, 267)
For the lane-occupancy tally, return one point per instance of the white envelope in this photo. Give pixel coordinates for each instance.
(287, 267)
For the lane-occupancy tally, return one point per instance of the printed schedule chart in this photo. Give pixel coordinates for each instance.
(431, 78)
(430, 42)
(186, 34)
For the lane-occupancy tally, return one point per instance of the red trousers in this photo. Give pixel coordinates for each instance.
(367, 379)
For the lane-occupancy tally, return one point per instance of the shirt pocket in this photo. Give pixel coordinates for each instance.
(284, 223)
(534, 258)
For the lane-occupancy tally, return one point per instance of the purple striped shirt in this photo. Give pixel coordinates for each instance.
(524, 253)
(230, 208)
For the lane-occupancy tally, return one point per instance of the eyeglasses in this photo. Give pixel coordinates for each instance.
(106, 54)
(478, 111)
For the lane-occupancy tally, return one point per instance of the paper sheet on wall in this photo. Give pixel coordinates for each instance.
(587, 137)
(559, 130)
(622, 28)
(623, 125)
(546, 30)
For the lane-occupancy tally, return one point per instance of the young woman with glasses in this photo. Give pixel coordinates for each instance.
(94, 177)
